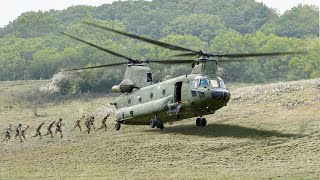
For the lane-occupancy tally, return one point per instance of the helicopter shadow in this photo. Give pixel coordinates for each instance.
(224, 130)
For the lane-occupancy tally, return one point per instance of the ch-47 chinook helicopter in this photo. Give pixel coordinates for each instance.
(144, 102)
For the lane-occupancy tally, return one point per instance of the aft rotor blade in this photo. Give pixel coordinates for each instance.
(242, 55)
(98, 47)
(148, 40)
(93, 67)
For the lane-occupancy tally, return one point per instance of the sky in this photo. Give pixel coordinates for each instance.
(11, 9)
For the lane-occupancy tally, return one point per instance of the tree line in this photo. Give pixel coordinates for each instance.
(32, 47)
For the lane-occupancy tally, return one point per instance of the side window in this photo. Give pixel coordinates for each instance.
(164, 92)
(222, 85)
(139, 99)
(149, 77)
(195, 84)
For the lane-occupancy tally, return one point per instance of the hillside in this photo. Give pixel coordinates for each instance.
(266, 131)
(32, 47)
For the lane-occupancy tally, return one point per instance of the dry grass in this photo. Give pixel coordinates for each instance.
(263, 133)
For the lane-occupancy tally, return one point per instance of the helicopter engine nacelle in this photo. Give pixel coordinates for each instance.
(126, 85)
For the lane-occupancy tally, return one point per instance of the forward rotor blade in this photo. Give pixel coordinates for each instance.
(186, 54)
(233, 60)
(170, 61)
(93, 67)
(98, 47)
(242, 55)
(148, 40)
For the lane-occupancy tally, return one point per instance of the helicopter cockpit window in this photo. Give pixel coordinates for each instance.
(195, 84)
(214, 83)
(222, 85)
(149, 77)
(204, 82)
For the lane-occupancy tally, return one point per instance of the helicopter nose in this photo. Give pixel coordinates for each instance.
(220, 95)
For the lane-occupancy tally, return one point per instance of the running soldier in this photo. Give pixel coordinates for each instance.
(22, 133)
(59, 127)
(38, 133)
(78, 122)
(18, 129)
(103, 122)
(49, 131)
(89, 121)
(8, 131)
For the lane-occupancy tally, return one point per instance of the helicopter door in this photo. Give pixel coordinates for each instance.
(177, 92)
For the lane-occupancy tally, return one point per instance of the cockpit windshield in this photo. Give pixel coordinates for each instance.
(214, 83)
(201, 81)
(204, 82)
(222, 85)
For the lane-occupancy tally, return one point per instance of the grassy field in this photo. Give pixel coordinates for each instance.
(266, 131)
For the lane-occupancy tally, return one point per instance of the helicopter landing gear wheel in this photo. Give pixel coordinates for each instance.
(160, 124)
(201, 121)
(198, 121)
(153, 123)
(117, 126)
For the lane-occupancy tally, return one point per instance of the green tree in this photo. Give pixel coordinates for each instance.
(206, 27)
(301, 21)
(34, 24)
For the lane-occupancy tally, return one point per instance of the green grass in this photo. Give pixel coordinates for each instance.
(245, 140)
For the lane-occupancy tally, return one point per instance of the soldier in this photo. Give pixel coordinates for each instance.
(103, 122)
(59, 127)
(89, 121)
(38, 133)
(22, 133)
(8, 131)
(78, 122)
(49, 131)
(18, 128)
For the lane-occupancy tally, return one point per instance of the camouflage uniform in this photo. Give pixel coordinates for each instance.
(38, 133)
(49, 131)
(59, 127)
(8, 131)
(89, 121)
(22, 133)
(103, 122)
(78, 123)
(18, 129)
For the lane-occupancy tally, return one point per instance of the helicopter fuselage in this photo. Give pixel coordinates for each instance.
(172, 100)
(200, 93)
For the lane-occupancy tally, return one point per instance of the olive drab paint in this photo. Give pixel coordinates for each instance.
(139, 75)
(193, 95)
(194, 99)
